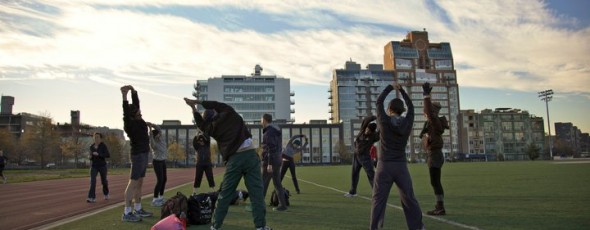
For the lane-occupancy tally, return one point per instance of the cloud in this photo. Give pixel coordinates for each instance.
(506, 44)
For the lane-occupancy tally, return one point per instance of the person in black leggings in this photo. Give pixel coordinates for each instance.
(293, 146)
(202, 144)
(160, 154)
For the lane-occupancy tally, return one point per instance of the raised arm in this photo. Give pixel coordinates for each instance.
(126, 110)
(409, 121)
(381, 115)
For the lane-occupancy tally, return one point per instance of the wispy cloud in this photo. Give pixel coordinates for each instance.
(498, 40)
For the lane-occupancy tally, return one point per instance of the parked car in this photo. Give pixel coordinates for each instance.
(50, 165)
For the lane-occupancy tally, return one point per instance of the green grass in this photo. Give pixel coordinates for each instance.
(27, 175)
(504, 195)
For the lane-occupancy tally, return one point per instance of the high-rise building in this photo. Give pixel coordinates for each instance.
(251, 96)
(508, 132)
(353, 92)
(416, 60)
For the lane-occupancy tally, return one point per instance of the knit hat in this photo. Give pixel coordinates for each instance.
(397, 106)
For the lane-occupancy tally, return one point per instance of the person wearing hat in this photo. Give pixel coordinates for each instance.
(392, 166)
(235, 143)
(433, 129)
(137, 131)
(363, 141)
(160, 154)
(292, 147)
(202, 145)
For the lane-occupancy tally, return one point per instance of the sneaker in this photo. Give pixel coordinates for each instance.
(106, 197)
(143, 213)
(130, 217)
(438, 211)
(90, 200)
(213, 228)
(349, 194)
(280, 209)
(298, 192)
(264, 228)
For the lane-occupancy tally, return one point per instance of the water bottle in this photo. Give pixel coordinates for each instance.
(183, 219)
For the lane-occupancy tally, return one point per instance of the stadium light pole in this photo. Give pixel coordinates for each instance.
(546, 96)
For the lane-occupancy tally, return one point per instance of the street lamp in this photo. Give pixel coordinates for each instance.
(546, 96)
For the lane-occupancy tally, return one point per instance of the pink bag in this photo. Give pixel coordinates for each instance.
(169, 223)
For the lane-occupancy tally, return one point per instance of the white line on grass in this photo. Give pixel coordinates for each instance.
(398, 207)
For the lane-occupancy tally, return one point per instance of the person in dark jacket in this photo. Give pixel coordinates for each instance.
(392, 167)
(433, 129)
(363, 142)
(234, 140)
(3, 161)
(293, 146)
(202, 145)
(137, 131)
(271, 158)
(98, 154)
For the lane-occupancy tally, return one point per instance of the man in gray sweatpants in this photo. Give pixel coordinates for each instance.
(271, 158)
(392, 166)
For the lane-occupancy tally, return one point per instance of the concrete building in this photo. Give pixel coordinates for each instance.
(251, 96)
(324, 140)
(570, 135)
(507, 132)
(470, 134)
(353, 93)
(410, 62)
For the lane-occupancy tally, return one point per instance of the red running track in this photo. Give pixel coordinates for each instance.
(32, 204)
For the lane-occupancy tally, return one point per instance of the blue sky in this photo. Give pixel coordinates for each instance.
(57, 56)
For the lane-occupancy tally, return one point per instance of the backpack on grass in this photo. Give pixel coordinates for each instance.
(175, 205)
(274, 198)
(201, 208)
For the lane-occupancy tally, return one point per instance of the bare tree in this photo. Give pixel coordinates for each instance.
(41, 140)
(8, 144)
(116, 148)
(176, 152)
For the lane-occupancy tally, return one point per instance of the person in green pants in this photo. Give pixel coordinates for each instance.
(234, 140)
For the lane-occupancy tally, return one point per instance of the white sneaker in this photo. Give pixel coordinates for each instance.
(349, 195)
(106, 197)
(213, 228)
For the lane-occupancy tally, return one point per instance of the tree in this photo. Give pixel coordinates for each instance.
(41, 140)
(70, 148)
(176, 152)
(533, 151)
(343, 151)
(116, 148)
(562, 148)
(8, 144)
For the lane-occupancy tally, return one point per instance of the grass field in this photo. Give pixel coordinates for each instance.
(502, 195)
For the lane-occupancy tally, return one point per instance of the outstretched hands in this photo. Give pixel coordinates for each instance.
(126, 88)
(191, 102)
(396, 85)
(426, 88)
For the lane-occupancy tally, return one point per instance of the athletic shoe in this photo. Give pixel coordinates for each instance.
(130, 217)
(264, 228)
(298, 192)
(158, 202)
(90, 200)
(349, 195)
(106, 197)
(143, 213)
(213, 228)
(438, 211)
(280, 209)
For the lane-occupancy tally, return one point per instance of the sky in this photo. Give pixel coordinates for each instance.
(63, 55)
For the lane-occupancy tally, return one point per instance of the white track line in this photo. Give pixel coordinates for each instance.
(398, 207)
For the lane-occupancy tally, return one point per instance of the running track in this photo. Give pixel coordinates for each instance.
(32, 204)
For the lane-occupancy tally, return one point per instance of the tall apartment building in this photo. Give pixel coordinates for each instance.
(410, 62)
(353, 92)
(416, 60)
(508, 132)
(251, 96)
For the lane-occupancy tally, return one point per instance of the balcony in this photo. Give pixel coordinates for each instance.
(330, 111)
(292, 102)
(329, 90)
(292, 110)
(330, 104)
(292, 94)
(330, 97)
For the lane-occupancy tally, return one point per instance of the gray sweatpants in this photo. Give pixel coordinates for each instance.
(388, 173)
(275, 176)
